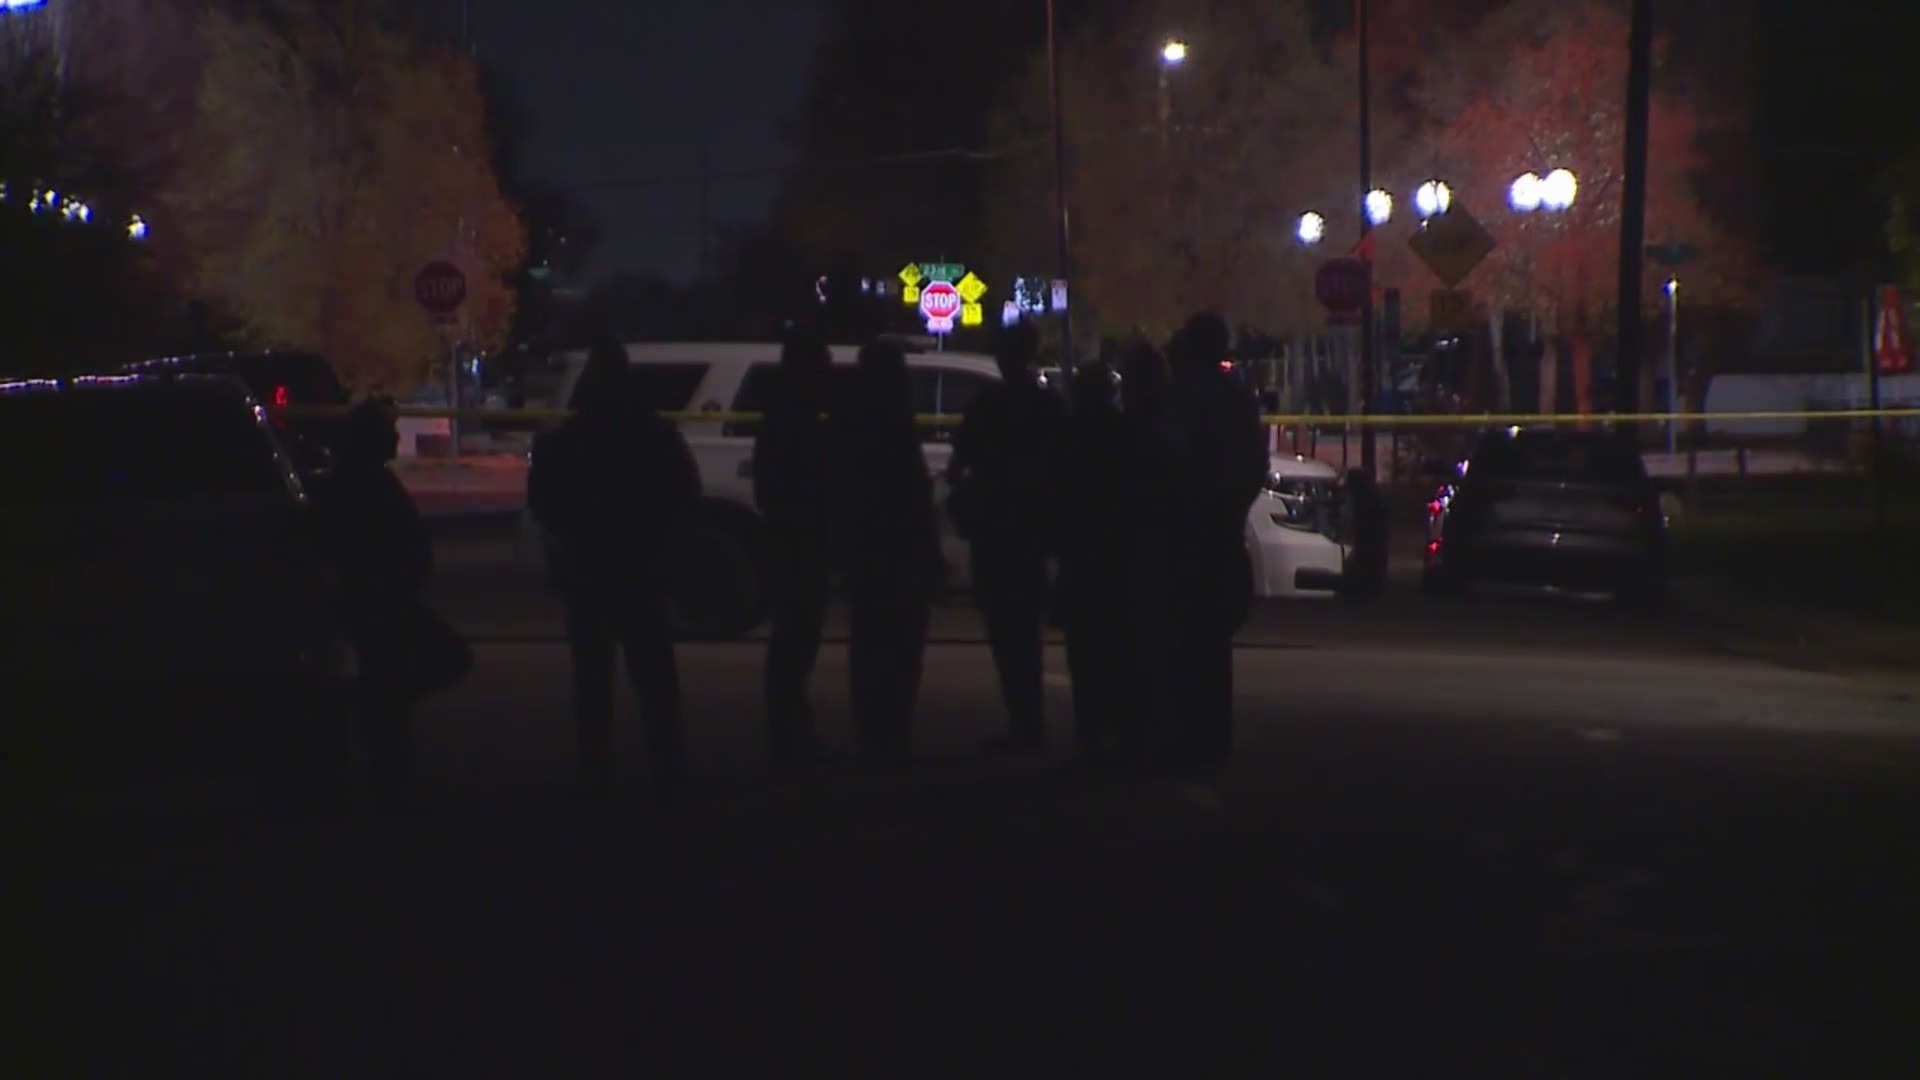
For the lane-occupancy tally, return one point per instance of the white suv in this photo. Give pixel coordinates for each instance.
(721, 565)
(721, 568)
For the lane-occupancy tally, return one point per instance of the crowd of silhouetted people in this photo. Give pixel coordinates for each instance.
(1115, 512)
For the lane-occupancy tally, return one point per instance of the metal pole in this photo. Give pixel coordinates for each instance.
(1874, 474)
(1633, 205)
(1673, 365)
(1368, 388)
(453, 399)
(1065, 255)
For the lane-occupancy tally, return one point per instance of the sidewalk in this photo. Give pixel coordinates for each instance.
(1797, 636)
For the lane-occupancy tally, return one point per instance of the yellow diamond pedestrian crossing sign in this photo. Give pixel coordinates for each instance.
(971, 289)
(910, 276)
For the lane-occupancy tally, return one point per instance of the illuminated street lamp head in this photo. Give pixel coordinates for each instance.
(1312, 228)
(1379, 206)
(1525, 195)
(1559, 189)
(1432, 198)
(1173, 53)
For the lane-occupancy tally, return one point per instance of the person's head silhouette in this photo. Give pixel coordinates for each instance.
(368, 435)
(1143, 376)
(1201, 345)
(882, 372)
(1093, 389)
(602, 387)
(805, 361)
(1016, 350)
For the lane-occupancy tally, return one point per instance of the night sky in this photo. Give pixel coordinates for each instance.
(620, 91)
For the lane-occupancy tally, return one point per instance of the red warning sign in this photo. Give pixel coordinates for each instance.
(1892, 349)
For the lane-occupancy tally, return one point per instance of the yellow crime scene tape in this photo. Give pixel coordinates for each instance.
(1440, 420)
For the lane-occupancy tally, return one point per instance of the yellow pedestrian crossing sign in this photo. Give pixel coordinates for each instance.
(971, 289)
(910, 276)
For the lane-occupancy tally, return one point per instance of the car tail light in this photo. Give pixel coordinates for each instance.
(281, 399)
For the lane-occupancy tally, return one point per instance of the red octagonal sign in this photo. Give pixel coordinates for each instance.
(1342, 285)
(441, 287)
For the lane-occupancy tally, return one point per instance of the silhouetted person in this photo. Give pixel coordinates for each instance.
(1098, 545)
(1145, 383)
(1366, 574)
(1217, 458)
(612, 485)
(886, 537)
(1007, 453)
(790, 487)
(382, 557)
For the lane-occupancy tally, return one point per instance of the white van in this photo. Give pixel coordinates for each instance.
(720, 576)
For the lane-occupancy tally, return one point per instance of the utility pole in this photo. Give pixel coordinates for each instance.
(1063, 233)
(706, 210)
(1633, 207)
(1368, 376)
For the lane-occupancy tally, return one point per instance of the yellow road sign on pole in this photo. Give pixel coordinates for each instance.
(1452, 311)
(1452, 244)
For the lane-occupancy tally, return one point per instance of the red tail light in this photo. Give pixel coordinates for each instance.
(280, 401)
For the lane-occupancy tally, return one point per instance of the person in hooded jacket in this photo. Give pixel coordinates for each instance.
(613, 485)
(790, 488)
(886, 536)
(1099, 545)
(1004, 474)
(1217, 464)
(382, 557)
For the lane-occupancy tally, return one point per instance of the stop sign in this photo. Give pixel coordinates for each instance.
(440, 287)
(939, 302)
(1342, 285)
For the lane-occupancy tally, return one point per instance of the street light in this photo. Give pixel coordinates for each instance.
(1433, 197)
(1173, 53)
(1524, 195)
(1313, 228)
(1379, 206)
(1558, 190)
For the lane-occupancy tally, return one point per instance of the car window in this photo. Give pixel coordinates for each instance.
(1559, 458)
(668, 387)
(926, 390)
(299, 379)
(130, 446)
(757, 390)
(755, 394)
(959, 388)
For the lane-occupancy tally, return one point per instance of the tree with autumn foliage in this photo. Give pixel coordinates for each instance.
(1557, 100)
(338, 153)
(1264, 122)
(1181, 209)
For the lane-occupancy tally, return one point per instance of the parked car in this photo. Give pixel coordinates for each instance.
(1552, 508)
(721, 572)
(1294, 528)
(277, 380)
(168, 605)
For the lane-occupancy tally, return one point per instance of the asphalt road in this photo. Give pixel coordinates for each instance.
(480, 586)
(1436, 860)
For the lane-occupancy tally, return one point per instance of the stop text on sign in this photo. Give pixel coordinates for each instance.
(939, 303)
(440, 288)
